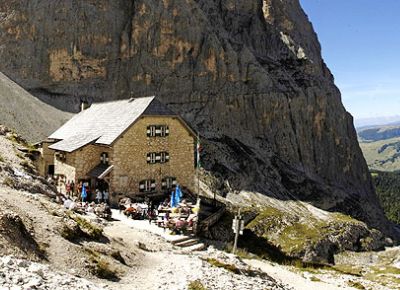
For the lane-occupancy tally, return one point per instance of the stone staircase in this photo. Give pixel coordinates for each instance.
(187, 244)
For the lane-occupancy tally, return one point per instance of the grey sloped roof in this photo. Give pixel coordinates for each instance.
(74, 142)
(103, 123)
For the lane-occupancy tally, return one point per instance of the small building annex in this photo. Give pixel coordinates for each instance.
(129, 147)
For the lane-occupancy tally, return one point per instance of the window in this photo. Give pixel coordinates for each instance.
(168, 183)
(61, 156)
(157, 131)
(160, 157)
(148, 185)
(104, 158)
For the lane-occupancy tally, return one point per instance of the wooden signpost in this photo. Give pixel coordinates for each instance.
(237, 227)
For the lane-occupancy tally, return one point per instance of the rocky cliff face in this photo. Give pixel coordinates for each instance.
(247, 74)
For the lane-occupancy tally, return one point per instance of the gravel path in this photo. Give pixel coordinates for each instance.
(162, 267)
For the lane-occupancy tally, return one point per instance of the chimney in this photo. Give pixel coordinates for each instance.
(84, 105)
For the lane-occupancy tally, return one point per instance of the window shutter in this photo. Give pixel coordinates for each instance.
(151, 157)
(157, 131)
(147, 185)
(168, 183)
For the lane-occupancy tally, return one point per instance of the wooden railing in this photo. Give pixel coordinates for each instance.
(218, 207)
(205, 224)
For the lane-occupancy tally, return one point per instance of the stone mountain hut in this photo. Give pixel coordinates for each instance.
(133, 147)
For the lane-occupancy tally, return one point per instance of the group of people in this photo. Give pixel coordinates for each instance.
(83, 191)
(101, 210)
(178, 218)
(102, 196)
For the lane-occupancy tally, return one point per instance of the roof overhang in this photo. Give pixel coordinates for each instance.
(74, 143)
(100, 171)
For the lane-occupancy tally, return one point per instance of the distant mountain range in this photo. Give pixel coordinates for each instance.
(378, 133)
(376, 121)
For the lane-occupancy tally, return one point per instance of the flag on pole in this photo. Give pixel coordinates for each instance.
(198, 149)
(173, 200)
(178, 194)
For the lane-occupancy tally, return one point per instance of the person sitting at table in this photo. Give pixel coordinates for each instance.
(130, 211)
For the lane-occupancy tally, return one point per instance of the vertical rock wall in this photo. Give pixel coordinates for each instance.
(247, 74)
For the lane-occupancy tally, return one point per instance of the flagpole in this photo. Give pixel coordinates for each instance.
(198, 165)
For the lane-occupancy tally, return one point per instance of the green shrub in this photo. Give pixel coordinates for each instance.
(196, 285)
(356, 285)
(8, 181)
(100, 267)
(219, 264)
(90, 230)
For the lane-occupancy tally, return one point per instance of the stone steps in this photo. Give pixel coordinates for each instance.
(187, 244)
(193, 248)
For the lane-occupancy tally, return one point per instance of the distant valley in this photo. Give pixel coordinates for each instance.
(381, 146)
(381, 149)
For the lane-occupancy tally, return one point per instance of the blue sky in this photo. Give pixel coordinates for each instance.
(360, 42)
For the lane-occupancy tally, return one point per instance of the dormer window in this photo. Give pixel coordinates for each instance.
(157, 131)
(104, 158)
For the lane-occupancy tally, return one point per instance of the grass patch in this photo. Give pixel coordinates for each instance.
(386, 270)
(8, 181)
(13, 137)
(294, 235)
(240, 252)
(90, 230)
(93, 231)
(196, 285)
(100, 267)
(219, 264)
(348, 269)
(355, 284)
(70, 232)
(315, 279)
